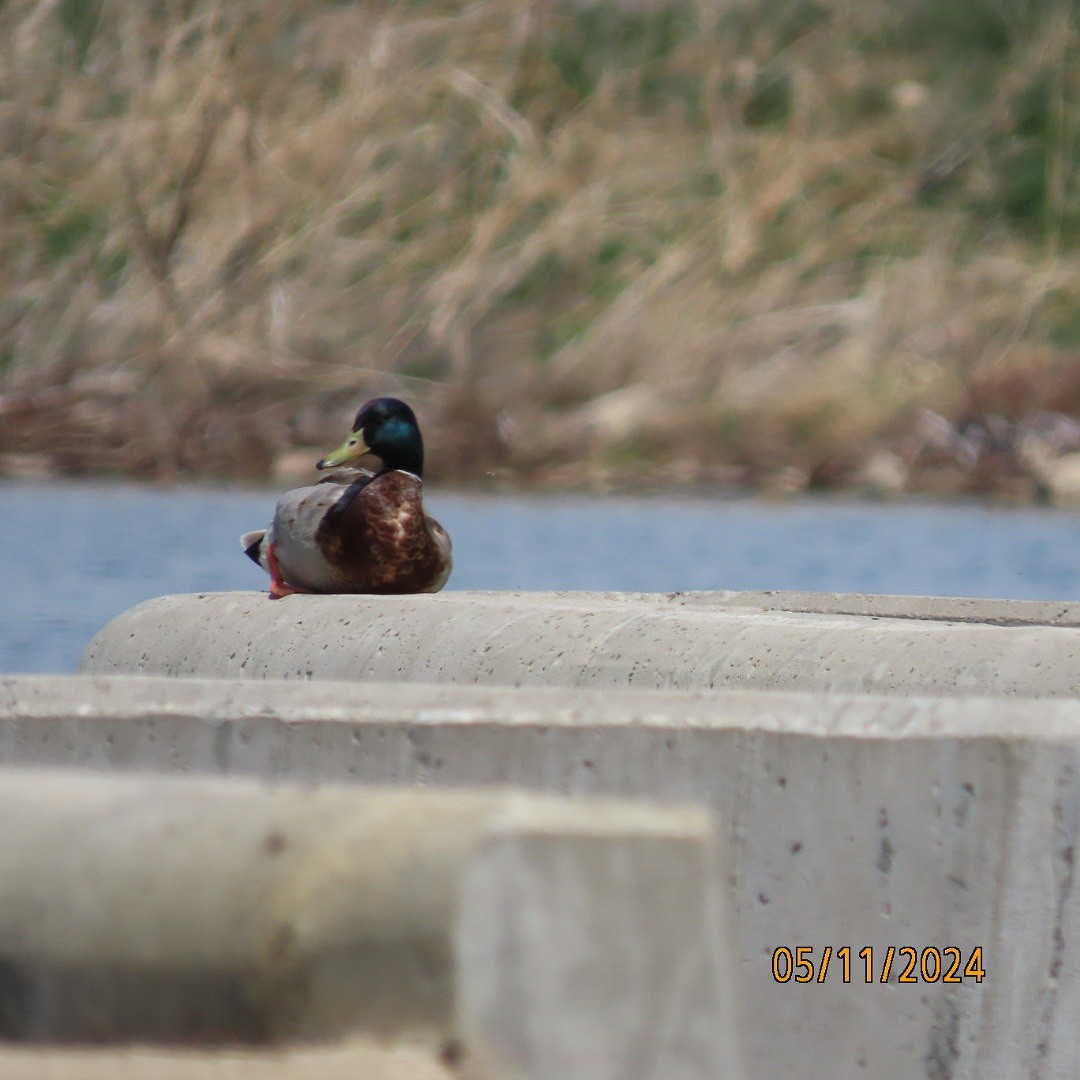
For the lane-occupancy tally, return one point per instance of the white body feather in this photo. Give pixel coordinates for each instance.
(293, 531)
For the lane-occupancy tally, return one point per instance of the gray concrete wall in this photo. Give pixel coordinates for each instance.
(356, 1059)
(581, 640)
(138, 908)
(851, 820)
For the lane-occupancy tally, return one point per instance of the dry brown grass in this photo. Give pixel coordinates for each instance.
(588, 241)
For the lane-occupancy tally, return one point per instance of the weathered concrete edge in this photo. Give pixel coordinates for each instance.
(361, 1057)
(991, 612)
(151, 907)
(960, 609)
(565, 641)
(88, 701)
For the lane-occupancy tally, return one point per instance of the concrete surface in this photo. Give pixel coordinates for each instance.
(934, 608)
(357, 1060)
(851, 820)
(548, 936)
(281, 728)
(588, 640)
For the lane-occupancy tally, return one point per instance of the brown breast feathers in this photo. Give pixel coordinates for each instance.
(377, 538)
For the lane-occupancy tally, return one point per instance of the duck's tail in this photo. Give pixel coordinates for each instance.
(254, 546)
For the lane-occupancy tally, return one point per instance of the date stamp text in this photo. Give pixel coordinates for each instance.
(902, 964)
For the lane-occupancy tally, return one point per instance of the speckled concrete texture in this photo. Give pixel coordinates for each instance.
(851, 820)
(152, 908)
(355, 1060)
(936, 608)
(591, 640)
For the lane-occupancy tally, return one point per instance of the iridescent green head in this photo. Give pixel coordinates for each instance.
(388, 429)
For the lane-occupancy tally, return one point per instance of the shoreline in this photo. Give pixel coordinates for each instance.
(651, 486)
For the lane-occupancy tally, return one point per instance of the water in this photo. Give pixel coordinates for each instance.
(75, 555)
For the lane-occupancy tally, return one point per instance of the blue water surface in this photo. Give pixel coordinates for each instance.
(75, 555)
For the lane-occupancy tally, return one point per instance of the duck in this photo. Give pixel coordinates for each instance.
(354, 530)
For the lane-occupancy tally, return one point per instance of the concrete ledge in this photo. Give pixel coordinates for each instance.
(364, 1059)
(857, 820)
(282, 728)
(539, 932)
(583, 640)
(934, 608)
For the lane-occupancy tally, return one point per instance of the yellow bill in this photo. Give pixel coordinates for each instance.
(352, 448)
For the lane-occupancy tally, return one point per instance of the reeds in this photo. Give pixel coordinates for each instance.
(733, 241)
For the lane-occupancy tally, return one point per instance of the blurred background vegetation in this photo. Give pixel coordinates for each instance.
(769, 243)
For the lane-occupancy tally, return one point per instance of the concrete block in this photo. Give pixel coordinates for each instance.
(592, 640)
(215, 910)
(852, 820)
(354, 1059)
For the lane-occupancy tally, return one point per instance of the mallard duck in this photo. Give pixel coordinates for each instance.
(355, 531)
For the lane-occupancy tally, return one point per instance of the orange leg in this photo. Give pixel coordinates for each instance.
(278, 585)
